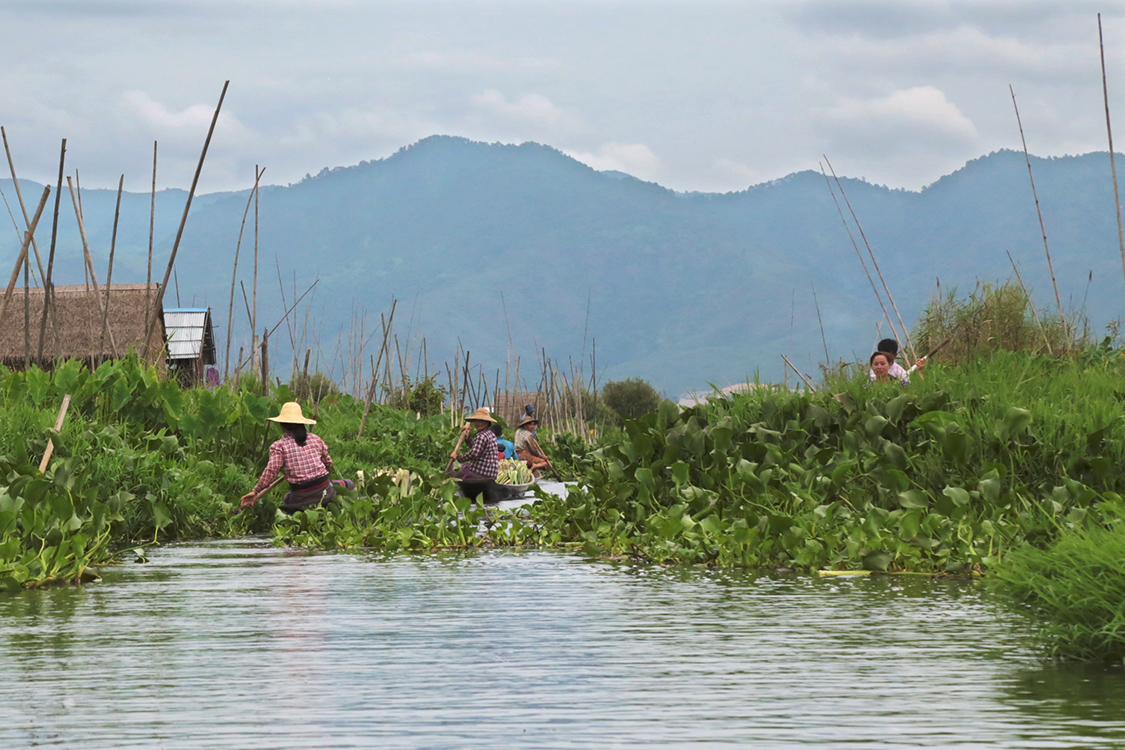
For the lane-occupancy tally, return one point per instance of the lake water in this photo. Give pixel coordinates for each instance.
(237, 644)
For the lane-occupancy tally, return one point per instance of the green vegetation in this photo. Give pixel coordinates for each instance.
(631, 398)
(1074, 590)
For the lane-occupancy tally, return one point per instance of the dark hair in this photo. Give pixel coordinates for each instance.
(298, 431)
(888, 346)
(497, 430)
(885, 355)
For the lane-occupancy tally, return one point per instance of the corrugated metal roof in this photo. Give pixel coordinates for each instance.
(187, 331)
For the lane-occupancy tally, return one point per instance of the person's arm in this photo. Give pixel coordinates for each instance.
(476, 449)
(533, 447)
(324, 457)
(276, 463)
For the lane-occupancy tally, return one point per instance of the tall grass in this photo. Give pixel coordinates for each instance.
(1074, 590)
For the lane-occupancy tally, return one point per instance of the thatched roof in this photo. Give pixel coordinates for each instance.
(80, 324)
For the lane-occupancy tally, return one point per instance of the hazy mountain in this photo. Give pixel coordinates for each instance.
(682, 289)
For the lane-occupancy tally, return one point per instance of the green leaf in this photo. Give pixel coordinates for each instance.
(913, 499)
(874, 426)
(877, 561)
(680, 472)
(959, 496)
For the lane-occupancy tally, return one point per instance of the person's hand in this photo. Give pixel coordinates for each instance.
(921, 363)
(246, 500)
(453, 456)
(465, 428)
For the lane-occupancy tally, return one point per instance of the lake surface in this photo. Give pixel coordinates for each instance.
(237, 644)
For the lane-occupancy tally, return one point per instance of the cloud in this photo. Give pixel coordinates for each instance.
(922, 113)
(636, 159)
(530, 109)
(196, 118)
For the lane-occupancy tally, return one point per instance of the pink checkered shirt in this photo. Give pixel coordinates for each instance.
(301, 463)
(481, 458)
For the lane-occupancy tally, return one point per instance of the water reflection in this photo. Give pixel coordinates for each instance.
(241, 645)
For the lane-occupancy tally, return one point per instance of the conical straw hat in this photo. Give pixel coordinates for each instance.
(291, 414)
(528, 420)
(480, 415)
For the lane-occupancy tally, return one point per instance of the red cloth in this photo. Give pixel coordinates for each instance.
(301, 463)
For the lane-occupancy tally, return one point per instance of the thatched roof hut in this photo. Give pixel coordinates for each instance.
(80, 325)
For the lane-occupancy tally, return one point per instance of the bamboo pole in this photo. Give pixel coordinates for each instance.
(1112, 160)
(1030, 304)
(58, 426)
(794, 369)
(265, 363)
(22, 257)
(874, 262)
(19, 198)
(823, 338)
(386, 323)
(109, 272)
(159, 301)
(254, 285)
(234, 276)
(1038, 210)
(151, 234)
(48, 286)
(92, 274)
(26, 314)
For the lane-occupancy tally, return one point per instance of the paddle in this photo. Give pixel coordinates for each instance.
(931, 353)
(254, 499)
(456, 448)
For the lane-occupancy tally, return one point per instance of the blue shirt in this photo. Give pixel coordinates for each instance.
(507, 447)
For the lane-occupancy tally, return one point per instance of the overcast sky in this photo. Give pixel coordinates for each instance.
(702, 95)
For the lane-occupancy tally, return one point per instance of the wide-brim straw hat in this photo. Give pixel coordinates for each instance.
(291, 414)
(480, 415)
(528, 420)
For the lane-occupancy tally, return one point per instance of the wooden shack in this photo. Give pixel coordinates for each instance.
(79, 319)
(191, 343)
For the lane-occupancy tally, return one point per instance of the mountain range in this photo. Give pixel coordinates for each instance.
(483, 244)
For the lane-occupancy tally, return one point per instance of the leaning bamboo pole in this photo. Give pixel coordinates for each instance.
(1027, 296)
(234, 277)
(159, 301)
(19, 198)
(1039, 211)
(874, 262)
(151, 234)
(1109, 133)
(92, 274)
(254, 285)
(109, 272)
(48, 285)
(22, 257)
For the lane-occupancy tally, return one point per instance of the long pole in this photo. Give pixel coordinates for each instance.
(234, 276)
(794, 369)
(22, 257)
(859, 255)
(875, 263)
(254, 286)
(1030, 304)
(159, 301)
(109, 273)
(86, 252)
(48, 288)
(19, 197)
(151, 232)
(1112, 161)
(58, 426)
(1039, 211)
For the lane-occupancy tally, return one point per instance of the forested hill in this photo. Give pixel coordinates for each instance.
(682, 289)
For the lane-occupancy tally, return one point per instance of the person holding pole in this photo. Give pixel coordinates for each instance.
(304, 458)
(889, 349)
(527, 446)
(480, 463)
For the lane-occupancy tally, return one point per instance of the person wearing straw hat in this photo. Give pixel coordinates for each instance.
(304, 458)
(480, 463)
(527, 445)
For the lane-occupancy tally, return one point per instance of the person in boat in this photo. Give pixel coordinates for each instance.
(889, 349)
(504, 448)
(527, 445)
(304, 458)
(479, 463)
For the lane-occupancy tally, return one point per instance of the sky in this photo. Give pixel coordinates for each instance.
(706, 95)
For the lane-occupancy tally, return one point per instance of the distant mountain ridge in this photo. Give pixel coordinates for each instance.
(683, 289)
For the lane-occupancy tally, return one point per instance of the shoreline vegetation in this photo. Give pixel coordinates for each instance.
(1003, 461)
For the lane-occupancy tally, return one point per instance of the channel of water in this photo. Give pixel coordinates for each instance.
(237, 644)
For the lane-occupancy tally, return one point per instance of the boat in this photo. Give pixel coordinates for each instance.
(493, 492)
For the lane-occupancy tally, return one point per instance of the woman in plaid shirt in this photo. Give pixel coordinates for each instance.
(305, 460)
(480, 462)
